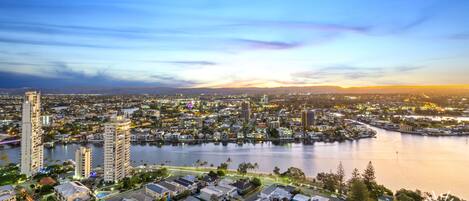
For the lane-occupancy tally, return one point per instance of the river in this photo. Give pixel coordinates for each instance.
(438, 164)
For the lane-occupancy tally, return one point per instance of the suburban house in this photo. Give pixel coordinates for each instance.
(275, 192)
(156, 191)
(72, 191)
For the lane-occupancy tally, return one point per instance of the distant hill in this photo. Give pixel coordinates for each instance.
(278, 90)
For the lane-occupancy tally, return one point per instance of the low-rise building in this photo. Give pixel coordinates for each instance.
(191, 198)
(300, 197)
(319, 198)
(188, 182)
(243, 186)
(173, 186)
(72, 191)
(156, 191)
(221, 191)
(275, 192)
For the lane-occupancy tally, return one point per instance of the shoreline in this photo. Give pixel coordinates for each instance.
(417, 133)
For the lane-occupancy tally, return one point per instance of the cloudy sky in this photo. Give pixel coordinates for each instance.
(241, 43)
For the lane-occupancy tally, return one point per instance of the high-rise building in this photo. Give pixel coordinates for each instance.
(116, 149)
(246, 111)
(307, 119)
(45, 120)
(31, 135)
(265, 99)
(83, 162)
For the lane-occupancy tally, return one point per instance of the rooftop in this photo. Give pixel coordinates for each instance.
(71, 188)
(319, 198)
(156, 188)
(300, 197)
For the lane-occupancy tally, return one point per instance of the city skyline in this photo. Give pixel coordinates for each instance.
(192, 145)
(232, 44)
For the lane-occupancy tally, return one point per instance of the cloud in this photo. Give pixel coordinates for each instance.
(60, 75)
(80, 30)
(54, 43)
(412, 24)
(173, 81)
(350, 72)
(292, 25)
(460, 36)
(183, 62)
(424, 16)
(272, 45)
(328, 27)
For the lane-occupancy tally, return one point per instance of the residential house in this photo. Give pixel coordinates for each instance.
(72, 191)
(156, 191)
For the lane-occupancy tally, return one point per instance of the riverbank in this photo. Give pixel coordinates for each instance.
(421, 162)
(160, 143)
(420, 133)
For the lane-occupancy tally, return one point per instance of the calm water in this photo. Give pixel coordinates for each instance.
(439, 164)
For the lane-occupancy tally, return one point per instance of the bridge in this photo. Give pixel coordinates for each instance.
(9, 141)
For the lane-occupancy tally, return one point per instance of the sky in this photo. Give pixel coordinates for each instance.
(225, 43)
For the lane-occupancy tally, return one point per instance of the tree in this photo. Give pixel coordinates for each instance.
(340, 178)
(355, 174)
(408, 195)
(449, 197)
(276, 170)
(358, 191)
(221, 173)
(369, 175)
(256, 182)
(223, 166)
(377, 190)
(212, 174)
(294, 173)
(126, 184)
(243, 168)
(329, 181)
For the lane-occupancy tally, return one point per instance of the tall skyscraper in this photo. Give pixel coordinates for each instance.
(116, 149)
(246, 111)
(83, 162)
(307, 119)
(31, 135)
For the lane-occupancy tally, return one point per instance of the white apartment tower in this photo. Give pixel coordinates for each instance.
(83, 162)
(31, 135)
(116, 149)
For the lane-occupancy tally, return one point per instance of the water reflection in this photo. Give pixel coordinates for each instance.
(400, 160)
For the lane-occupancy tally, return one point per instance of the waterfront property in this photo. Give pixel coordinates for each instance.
(117, 149)
(83, 162)
(157, 191)
(31, 135)
(72, 191)
(396, 152)
(275, 192)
